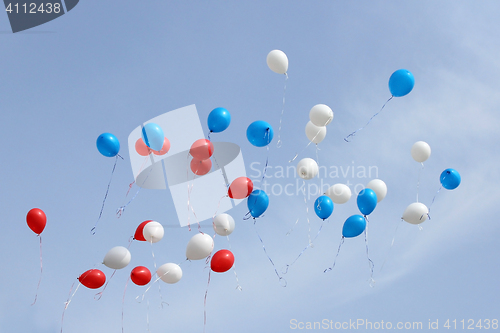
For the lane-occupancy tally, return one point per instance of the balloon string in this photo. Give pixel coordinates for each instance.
(435, 195)
(278, 144)
(335, 260)
(121, 209)
(234, 267)
(369, 121)
(418, 179)
(282, 281)
(311, 141)
(149, 287)
(93, 230)
(307, 216)
(285, 270)
(205, 303)
(159, 285)
(123, 299)
(99, 294)
(370, 262)
(290, 231)
(66, 304)
(392, 243)
(41, 271)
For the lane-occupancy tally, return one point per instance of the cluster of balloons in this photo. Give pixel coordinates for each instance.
(319, 116)
(201, 151)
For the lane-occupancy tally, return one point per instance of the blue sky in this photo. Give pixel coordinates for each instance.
(107, 68)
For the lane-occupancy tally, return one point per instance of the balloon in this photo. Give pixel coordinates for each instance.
(36, 220)
(108, 144)
(117, 258)
(378, 186)
(401, 82)
(164, 148)
(323, 207)
(420, 151)
(240, 188)
(140, 275)
(153, 232)
(169, 273)
(199, 246)
(321, 115)
(339, 193)
(416, 213)
(257, 203)
(260, 133)
(354, 226)
(367, 201)
(450, 179)
(223, 224)
(153, 136)
(202, 149)
(218, 120)
(222, 261)
(141, 148)
(93, 278)
(307, 168)
(314, 133)
(139, 231)
(277, 61)
(201, 167)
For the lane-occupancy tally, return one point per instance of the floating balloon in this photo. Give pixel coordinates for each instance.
(141, 148)
(401, 83)
(367, 201)
(140, 275)
(354, 226)
(117, 258)
(378, 186)
(323, 207)
(201, 167)
(139, 232)
(260, 133)
(36, 220)
(240, 188)
(164, 148)
(202, 149)
(199, 246)
(169, 273)
(153, 136)
(420, 151)
(153, 232)
(93, 279)
(223, 224)
(277, 61)
(307, 168)
(314, 133)
(257, 203)
(415, 213)
(218, 120)
(108, 144)
(321, 115)
(339, 193)
(450, 179)
(222, 261)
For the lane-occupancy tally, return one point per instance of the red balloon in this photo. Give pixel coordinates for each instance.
(93, 278)
(141, 148)
(202, 149)
(164, 149)
(36, 220)
(240, 188)
(222, 261)
(140, 275)
(201, 167)
(138, 232)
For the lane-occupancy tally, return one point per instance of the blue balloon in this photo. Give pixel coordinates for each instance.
(153, 136)
(218, 120)
(260, 133)
(450, 179)
(108, 144)
(401, 82)
(367, 201)
(257, 203)
(323, 207)
(354, 226)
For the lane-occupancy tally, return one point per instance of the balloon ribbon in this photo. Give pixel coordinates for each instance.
(369, 121)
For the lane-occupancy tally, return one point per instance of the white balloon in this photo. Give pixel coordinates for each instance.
(314, 133)
(420, 151)
(339, 193)
(169, 273)
(307, 168)
(223, 224)
(117, 258)
(199, 246)
(153, 232)
(321, 115)
(277, 61)
(416, 213)
(378, 186)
